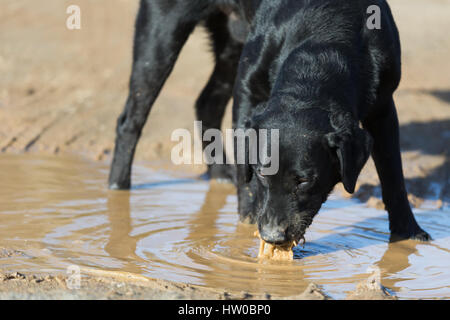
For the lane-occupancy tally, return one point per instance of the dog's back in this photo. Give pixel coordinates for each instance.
(330, 34)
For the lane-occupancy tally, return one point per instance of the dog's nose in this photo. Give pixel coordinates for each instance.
(274, 235)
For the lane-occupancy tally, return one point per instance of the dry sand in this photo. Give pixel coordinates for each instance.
(121, 286)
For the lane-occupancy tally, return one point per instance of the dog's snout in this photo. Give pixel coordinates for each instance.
(274, 235)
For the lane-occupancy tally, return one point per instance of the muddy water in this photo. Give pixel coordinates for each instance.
(57, 212)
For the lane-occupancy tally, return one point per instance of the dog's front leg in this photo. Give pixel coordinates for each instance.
(386, 154)
(212, 102)
(160, 35)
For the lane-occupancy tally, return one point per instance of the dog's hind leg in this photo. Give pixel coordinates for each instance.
(386, 154)
(162, 28)
(211, 105)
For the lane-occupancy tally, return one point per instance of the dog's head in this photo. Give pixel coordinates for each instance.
(316, 151)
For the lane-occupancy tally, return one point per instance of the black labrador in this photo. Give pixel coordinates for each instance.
(312, 69)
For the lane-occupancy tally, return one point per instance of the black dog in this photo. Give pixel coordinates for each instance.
(313, 70)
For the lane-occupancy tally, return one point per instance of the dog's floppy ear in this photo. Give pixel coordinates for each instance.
(352, 146)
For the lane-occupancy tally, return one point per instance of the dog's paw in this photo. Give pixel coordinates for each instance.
(418, 235)
(421, 236)
(118, 186)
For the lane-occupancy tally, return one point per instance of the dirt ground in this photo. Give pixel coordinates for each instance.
(123, 286)
(61, 91)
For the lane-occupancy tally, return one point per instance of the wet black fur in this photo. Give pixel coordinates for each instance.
(310, 68)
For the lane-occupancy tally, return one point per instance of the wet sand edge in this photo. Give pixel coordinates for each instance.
(111, 285)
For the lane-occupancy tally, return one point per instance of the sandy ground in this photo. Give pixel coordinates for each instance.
(122, 286)
(61, 92)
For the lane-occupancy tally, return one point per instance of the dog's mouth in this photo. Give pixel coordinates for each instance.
(278, 252)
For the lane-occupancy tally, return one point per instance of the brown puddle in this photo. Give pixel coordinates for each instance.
(58, 212)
